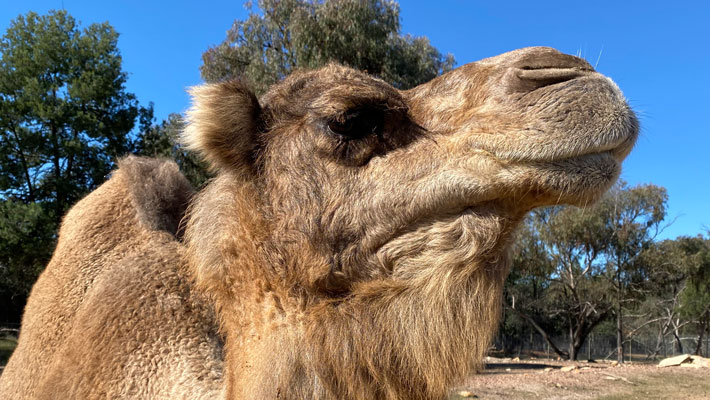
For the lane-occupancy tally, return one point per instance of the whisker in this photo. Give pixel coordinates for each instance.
(599, 57)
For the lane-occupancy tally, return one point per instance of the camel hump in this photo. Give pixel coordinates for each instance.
(159, 191)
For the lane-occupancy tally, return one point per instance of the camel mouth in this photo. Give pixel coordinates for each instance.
(595, 118)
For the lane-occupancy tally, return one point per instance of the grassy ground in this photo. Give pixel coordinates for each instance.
(7, 345)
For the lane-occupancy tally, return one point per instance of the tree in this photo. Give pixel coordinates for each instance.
(584, 263)
(633, 218)
(291, 34)
(665, 263)
(528, 283)
(695, 299)
(65, 116)
(679, 289)
(559, 256)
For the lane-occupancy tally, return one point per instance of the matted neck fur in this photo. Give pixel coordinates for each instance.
(355, 239)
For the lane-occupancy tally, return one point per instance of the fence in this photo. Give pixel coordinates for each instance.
(599, 346)
(9, 329)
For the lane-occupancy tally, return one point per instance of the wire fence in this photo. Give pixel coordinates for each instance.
(9, 330)
(598, 346)
(601, 346)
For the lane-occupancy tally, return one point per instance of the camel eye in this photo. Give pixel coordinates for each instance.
(357, 124)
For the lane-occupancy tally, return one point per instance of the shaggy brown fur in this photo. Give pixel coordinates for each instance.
(84, 326)
(353, 245)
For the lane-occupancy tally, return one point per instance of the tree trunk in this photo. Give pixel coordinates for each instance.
(659, 345)
(699, 346)
(572, 347)
(542, 332)
(619, 337)
(679, 344)
(572, 352)
(589, 347)
(619, 322)
(25, 166)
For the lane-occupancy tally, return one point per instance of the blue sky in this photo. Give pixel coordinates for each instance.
(657, 52)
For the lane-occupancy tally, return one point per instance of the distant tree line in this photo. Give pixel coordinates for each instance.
(66, 116)
(577, 270)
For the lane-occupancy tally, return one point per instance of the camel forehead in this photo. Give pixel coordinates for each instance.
(328, 90)
(333, 74)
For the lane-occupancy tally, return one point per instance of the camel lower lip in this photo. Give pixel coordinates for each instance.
(604, 151)
(582, 156)
(618, 150)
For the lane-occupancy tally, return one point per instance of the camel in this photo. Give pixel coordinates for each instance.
(353, 245)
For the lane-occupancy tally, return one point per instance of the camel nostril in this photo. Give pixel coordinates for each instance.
(546, 58)
(537, 78)
(538, 67)
(528, 80)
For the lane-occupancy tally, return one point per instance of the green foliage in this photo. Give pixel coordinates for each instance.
(26, 238)
(695, 298)
(558, 274)
(65, 117)
(634, 217)
(285, 35)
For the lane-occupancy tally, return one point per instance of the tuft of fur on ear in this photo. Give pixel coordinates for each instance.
(222, 124)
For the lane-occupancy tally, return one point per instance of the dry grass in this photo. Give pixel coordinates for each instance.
(544, 380)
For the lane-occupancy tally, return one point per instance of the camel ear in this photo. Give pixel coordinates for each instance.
(223, 124)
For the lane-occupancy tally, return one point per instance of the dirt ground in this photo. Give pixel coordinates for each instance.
(513, 379)
(544, 379)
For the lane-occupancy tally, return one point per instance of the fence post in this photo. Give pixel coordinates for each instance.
(665, 354)
(589, 346)
(630, 340)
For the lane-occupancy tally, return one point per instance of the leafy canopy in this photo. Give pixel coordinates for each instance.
(290, 34)
(64, 112)
(65, 116)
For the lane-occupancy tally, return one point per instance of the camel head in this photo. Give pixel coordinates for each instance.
(352, 182)
(355, 238)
